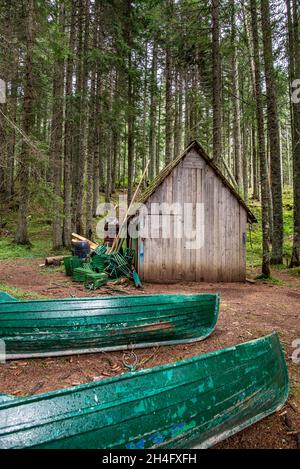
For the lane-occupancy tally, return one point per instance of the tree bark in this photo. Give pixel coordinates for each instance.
(168, 108)
(91, 141)
(178, 116)
(187, 126)
(12, 137)
(274, 136)
(153, 112)
(68, 140)
(3, 144)
(56, 144)
(98, 165)
(238, 162)
(108, 147)
(28, 123)
(158, 149)
(82, 101)
(264, 177)
(294, 67)
(216, 87)
(130, 116)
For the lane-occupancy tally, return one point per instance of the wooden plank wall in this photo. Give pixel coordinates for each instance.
(223, 255)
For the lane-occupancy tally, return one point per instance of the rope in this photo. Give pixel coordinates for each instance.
(130, 357)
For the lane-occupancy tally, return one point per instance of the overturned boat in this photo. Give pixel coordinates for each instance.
(80, 325)
(192, 403)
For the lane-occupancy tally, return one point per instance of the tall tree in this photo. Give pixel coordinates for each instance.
(254, 153)
(217, 84)
(98, 163)
(178, 115)
(274, 135)
(98, 173)
(153, 111)
(236, 102)
(264, 176)
(294, 70)
(169, 92)
(56, 145)
(82, 77)
(68, 130)
(12, 137)
(130, 113)
(28, 124)
(91, 136)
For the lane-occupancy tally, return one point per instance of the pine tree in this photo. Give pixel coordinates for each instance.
(264, 176)
(274, 136)
(216, 77)
(28, 123)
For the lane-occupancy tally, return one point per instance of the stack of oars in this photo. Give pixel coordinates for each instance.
(123, 229)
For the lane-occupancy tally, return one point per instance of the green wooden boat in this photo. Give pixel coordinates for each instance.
(60, 327)
(193, 403)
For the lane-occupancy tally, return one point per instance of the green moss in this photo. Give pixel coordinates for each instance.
(40, 236)
(295, 271)
(10, 250)
(43, 365)
(297, 389)
(52, 269)
(271, 280)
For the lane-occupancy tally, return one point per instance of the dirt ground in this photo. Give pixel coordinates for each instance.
(248, 311)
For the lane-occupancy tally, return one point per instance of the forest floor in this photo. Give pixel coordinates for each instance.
(248, 311)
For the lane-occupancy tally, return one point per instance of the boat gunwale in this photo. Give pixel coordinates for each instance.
(116, 297)
(114, 405)
(124, 376)
(95, 312)
(126, 346)
(131, 346)
(213, 296)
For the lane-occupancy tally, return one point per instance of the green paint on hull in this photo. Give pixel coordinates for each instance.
(5, 297)
(192, 403)
(60, 327)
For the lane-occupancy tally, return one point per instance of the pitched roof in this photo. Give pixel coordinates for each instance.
(157, 181)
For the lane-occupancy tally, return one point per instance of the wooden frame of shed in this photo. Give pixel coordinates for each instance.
(193, 179)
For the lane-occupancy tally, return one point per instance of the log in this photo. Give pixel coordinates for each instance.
(250, 280)
(78, 237)
(55, 260)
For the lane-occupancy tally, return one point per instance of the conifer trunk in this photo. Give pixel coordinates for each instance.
(274, 135)
(264, 176)
(28, 124)
(216, 85)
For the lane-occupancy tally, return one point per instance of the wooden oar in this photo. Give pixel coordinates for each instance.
(82, 238)
(115, 245)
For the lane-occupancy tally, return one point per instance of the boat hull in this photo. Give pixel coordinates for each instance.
(71, 326)
(193, 403)
(6, 297)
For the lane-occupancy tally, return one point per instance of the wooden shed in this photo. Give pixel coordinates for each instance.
(216, 218)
